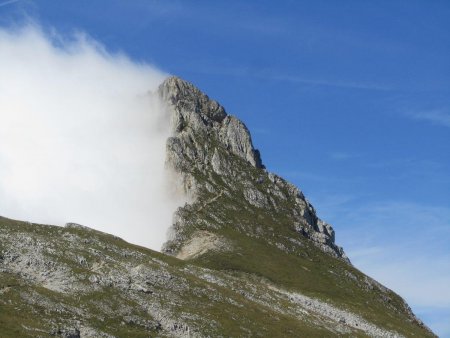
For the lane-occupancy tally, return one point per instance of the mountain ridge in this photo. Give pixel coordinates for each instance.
(194, 115)
(247, 256)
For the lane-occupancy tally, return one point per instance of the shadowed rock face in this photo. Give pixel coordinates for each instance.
(214, 154)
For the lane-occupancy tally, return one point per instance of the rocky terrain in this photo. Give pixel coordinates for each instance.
(247, 257)
(214, 154)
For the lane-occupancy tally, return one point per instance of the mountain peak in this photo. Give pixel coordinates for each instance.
(194, 113)
(253, 257)
(214, 154)
(180, 92)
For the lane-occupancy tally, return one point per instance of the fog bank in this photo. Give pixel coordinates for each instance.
(82, 139)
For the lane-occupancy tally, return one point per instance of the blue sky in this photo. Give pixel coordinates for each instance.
(348, 100)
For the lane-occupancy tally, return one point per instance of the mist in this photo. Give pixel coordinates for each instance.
(82, 137)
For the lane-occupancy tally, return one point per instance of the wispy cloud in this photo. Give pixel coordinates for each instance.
(403, 245)
(302, 176)
(5, 3)
(436, 117)
(410, 168)
(296, 79)
(350, 84)
(256, 24)
(421, 277)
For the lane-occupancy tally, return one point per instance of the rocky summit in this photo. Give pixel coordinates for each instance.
(247, 256)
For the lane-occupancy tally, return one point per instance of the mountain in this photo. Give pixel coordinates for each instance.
(247, 256)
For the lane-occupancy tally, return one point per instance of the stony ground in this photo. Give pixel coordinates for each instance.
(247, 257)
(77, 282)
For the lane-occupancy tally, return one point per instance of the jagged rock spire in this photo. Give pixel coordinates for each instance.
(193, 108)
(203, 150)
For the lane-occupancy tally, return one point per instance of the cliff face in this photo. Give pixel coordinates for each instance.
(247, 257)
(244, 219)
(222, 171)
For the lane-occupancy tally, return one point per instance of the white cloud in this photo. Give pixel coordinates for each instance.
(82, 139)
(437, 117)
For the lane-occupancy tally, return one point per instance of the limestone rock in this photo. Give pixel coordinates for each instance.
(256, 259)
(213, 151)
(193, 113)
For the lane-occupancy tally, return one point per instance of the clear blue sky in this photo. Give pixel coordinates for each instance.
(350, 100)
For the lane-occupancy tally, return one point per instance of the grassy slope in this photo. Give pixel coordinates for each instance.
(306, 269)
(319, 277)
(20, 318)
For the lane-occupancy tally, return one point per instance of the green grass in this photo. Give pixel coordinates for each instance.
(306, 269)
(311, 277)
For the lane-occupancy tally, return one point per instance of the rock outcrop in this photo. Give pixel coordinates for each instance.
(193, 113)
(214, 154)
(76, 282)
(248, 257)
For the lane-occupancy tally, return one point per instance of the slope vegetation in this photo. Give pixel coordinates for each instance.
(247, 257)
